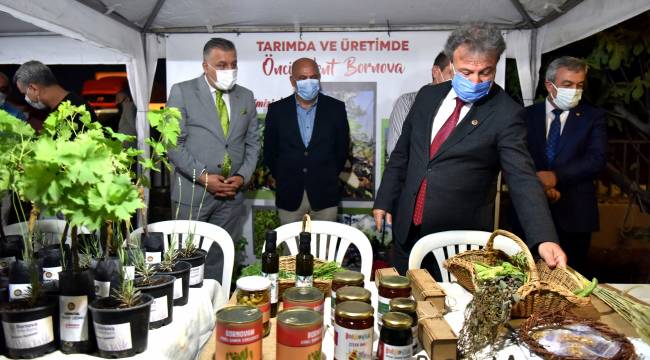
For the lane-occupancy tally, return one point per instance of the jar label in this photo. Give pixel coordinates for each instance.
(102, 288)
(416, 341)
(196, 275)
(391, 352)
(158, 309)
(383, 306)
(129, 272)
(274, 286)
(73, 316)
(178, 288)
(51, 273)
(299, 343)
(115, 337)
(266, 311)
(29, 334)
(152, 257)
(19, 291)
(350, 343)
(304, 281)
(6, 261)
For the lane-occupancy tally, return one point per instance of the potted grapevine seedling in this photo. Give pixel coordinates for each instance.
(181, 272)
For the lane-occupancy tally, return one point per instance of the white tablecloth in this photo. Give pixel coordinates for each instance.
(190, 329)
(457, 300)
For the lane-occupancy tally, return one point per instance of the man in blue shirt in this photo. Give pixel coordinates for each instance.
(5, 90)
(306, 144)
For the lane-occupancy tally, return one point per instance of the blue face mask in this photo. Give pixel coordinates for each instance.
(308, 89)
(467, 90)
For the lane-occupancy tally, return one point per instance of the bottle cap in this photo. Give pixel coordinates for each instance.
(271, 240)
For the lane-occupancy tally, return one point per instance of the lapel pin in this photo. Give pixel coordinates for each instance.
(474, 122)
(577, 114)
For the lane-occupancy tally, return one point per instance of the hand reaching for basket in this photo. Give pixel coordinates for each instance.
(552, 254)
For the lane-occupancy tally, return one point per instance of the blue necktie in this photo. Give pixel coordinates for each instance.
(553, 138)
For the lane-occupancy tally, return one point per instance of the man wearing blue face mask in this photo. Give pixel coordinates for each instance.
(306, 144)
(455, 140)
(567, 139)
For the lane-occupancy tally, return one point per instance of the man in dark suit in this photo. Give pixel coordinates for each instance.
(306, 143)
(455, 139)
(567, 140)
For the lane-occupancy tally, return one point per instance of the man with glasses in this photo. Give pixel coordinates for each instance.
(218, 145)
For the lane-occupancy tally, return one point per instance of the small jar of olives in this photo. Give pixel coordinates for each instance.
(256, 291)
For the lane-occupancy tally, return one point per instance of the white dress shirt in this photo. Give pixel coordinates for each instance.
(550, 117)
(224, 95)
(444, 112)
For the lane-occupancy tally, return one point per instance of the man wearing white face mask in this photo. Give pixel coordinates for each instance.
(306, 143)
(217, 148)
(567, 139)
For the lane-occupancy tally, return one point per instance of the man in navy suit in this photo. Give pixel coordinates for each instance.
(567, 140)
(306, 143)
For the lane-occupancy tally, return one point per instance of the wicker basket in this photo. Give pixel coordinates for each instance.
(538, 320)
(545, 291)
(288, 263)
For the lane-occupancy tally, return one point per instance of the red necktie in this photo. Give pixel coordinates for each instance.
(438, 140)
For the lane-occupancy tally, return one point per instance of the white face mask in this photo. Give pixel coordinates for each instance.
(3, 97)
(226, 79)
(38, 105)
(566, 98)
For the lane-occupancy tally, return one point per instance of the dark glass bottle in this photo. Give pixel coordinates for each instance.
(271, 267)
(304, 262)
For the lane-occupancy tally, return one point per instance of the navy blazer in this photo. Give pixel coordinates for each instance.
(314, 168)
(581, 156)
(462, 176)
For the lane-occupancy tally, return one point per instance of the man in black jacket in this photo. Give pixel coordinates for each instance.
(455, 139)
(306, 143)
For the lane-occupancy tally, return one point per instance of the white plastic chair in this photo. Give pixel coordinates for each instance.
(205, 234)
(50, 229)
(446, 244)
(329, 241)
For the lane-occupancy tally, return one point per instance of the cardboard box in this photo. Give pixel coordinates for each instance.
(384, 272)
(436, 336)
(425, 288)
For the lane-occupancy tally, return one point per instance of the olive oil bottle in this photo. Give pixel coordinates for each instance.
(271, 267)
(304, 262)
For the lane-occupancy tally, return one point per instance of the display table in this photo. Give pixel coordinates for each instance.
(457, 300)
(191, 328)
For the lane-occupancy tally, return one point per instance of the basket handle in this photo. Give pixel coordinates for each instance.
(534, 276)
(306, 223)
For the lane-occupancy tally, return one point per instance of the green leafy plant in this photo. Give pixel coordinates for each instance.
(169, 258)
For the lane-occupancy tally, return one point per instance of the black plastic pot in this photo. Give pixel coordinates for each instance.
(75, 323)
(30, 332)
(107, 276)
(153, 246)
(111, 323)
(162, 291)
(11, 249)
(182, 283)
(198, 267)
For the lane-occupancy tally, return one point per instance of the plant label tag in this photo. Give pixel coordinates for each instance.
(51, 273)
(19, 291)
(6, 261)
(178, 288)
(129, 272)
(152, 257)
(30, 334)
(158, 309)
(73, 316)
(196, 274)
(115, 337)
(102, 288)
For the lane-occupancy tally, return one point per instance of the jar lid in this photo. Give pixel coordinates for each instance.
(303, 294)
(253, 283)
(353, 293)
(403, 305)
(395, 282)
(396, 320)
(348, 277)
(355, 310)
(238, 314)
(299, 317)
